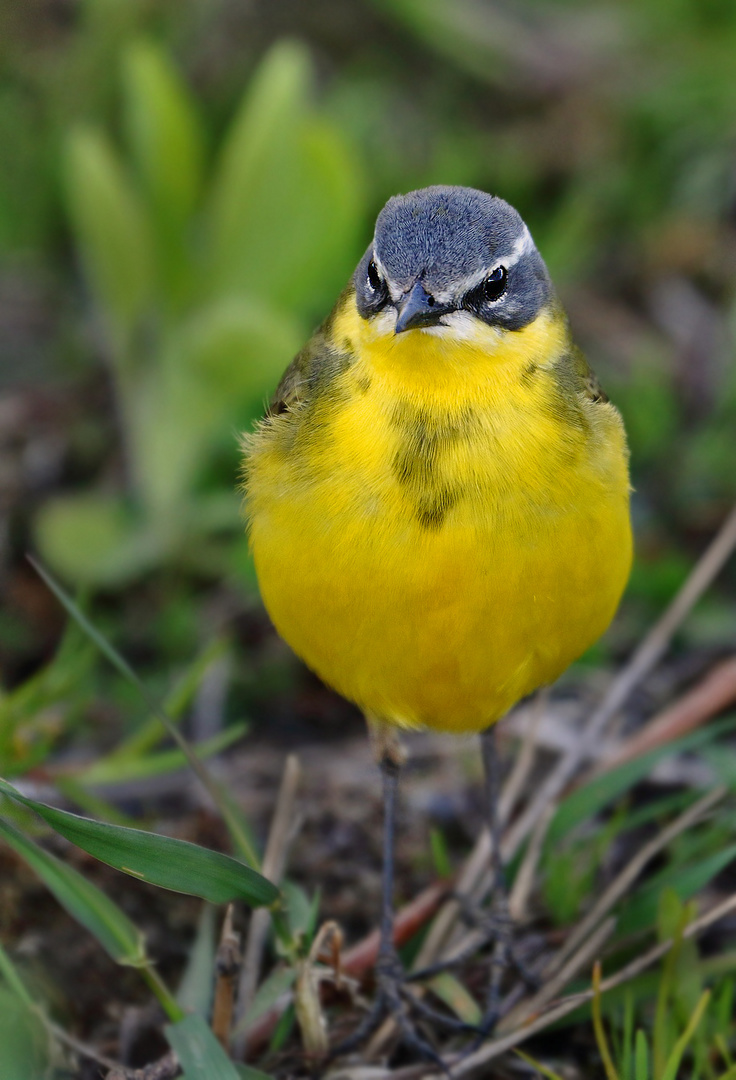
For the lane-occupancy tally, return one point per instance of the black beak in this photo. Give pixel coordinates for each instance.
(418, 308)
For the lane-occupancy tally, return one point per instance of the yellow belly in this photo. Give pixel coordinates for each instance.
(446, 625)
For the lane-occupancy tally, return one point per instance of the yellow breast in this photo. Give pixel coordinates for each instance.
(443, 525)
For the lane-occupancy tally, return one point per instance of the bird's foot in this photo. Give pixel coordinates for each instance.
(494, 928)
(394, 1000)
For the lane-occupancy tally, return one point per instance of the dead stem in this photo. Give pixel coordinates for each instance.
(227, 966)
(166, 1068)
(274, 861)
(715, 691)
(588, 951)
(524, 880)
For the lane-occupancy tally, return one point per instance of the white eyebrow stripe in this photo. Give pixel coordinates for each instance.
(521, 247)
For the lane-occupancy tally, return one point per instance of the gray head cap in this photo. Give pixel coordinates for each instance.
(449, 238)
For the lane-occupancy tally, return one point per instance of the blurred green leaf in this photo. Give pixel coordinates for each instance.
(123, 770)
(585, 802)
(673, 1062)
(642, 1057)
(287, 194)
(231, 813)
(239, 348)
(13, 979)
(23, 1041)
(440, 853)
(152, 731)
(166, 143)
(283, 1029)
(301, 909)
(640, 911)
(161, 860)
(274, 986)
(449, 990)
(112, 231)
(84, 901)
(95, 539)
(195, 988)
(255, 152)
(200, 1054)
(43, 708)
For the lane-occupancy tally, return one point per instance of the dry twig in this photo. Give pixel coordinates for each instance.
(715, 691)
(227, 966)
(166, 1068)
(631, 871)
(274, 862)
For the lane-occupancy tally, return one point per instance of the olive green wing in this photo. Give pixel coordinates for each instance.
(313, 368)
(589, 385)
(293, 389)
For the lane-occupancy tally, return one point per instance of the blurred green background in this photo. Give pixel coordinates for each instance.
(185, 186)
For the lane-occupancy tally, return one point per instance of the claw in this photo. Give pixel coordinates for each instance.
(395, 1001)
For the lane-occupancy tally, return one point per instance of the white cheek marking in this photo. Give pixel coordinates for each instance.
(462, 326)
(455, 325)
(384, 322)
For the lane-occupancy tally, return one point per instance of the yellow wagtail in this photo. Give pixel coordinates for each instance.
(438, 496)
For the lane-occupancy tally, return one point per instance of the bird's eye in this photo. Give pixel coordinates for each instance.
(374, 278)
(495, 284)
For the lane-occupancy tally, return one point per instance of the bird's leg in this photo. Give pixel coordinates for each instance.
(500, 911)
(500, 927)
(393, 999)
(495, 925)
(391, 757)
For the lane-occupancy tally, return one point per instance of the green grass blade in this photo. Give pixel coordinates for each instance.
(547, 1073)
(25, 1047)
(114, 770)
(200, 1054)
(587, 801)
(673, 1063)
(221, 799)
(150, 733)
(14, 981)
(448, 989)
(641, 911)
(271, 989)
(90, 803)
(84, 901)
(161, 860)
(194, 993)
(641, 1060)
(599, 1030)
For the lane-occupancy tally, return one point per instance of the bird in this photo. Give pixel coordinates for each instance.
(437, 498)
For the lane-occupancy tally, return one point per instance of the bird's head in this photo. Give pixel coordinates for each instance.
(451, 261)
